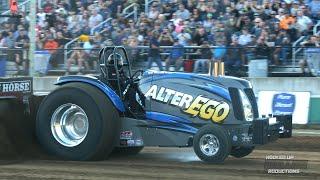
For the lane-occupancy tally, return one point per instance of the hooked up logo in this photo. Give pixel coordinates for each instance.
(200, 106)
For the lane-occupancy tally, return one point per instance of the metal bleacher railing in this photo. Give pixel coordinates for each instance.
(131, 10)
(139, 55)
(4, 6)
(147, 3)
(22, 6)
(298, 52)
(316, 30)
(190, 52)
(99, 27)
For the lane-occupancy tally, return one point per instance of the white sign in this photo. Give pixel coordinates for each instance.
(41, 61)
(277, 102)
(15, 86)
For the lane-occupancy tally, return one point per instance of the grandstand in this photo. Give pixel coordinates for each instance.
(238, 32)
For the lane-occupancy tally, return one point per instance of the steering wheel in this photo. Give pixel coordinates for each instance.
(136, 75)
(132, 80)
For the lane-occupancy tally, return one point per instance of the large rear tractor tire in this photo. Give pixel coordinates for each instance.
(77, 122)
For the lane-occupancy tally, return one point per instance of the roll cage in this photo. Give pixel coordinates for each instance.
(115, 67)
(115, 70)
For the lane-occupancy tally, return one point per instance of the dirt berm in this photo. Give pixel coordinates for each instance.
(17, 135)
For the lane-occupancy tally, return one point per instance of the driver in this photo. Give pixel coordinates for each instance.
(114, 68)
(128, 88)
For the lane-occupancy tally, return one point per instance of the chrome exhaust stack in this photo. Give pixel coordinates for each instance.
(216, 68)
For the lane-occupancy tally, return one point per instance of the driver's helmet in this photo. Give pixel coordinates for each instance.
(119, 59)
(112, 71)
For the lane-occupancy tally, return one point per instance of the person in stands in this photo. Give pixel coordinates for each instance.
(201, 64)
(154, 52)
(176, 56)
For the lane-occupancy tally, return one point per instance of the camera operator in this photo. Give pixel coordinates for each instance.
(165, 38)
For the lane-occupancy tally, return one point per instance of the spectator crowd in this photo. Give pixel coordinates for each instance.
(239, 30)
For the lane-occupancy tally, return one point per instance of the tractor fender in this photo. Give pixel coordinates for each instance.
(115, 99)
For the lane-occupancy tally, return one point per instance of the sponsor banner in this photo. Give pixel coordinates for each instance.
(15, 88)
(195, 106)
(293, 103)
(41, 61)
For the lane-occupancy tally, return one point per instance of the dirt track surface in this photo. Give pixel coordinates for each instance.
(170, 163)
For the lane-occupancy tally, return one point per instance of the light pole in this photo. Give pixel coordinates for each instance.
(32, 35)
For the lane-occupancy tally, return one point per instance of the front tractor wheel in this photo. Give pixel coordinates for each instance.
(212, 144)
(77, 122)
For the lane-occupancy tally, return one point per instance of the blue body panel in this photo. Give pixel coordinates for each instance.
(165, 118)
(178, 75)
(211, 84)
(115, 99)
(221, 91)
(173, 122)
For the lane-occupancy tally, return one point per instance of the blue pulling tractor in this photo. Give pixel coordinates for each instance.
(88, 117)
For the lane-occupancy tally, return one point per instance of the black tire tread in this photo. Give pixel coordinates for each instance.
(104, 109)
(224, 140)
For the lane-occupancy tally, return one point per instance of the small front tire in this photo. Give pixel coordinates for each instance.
(212, 144)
